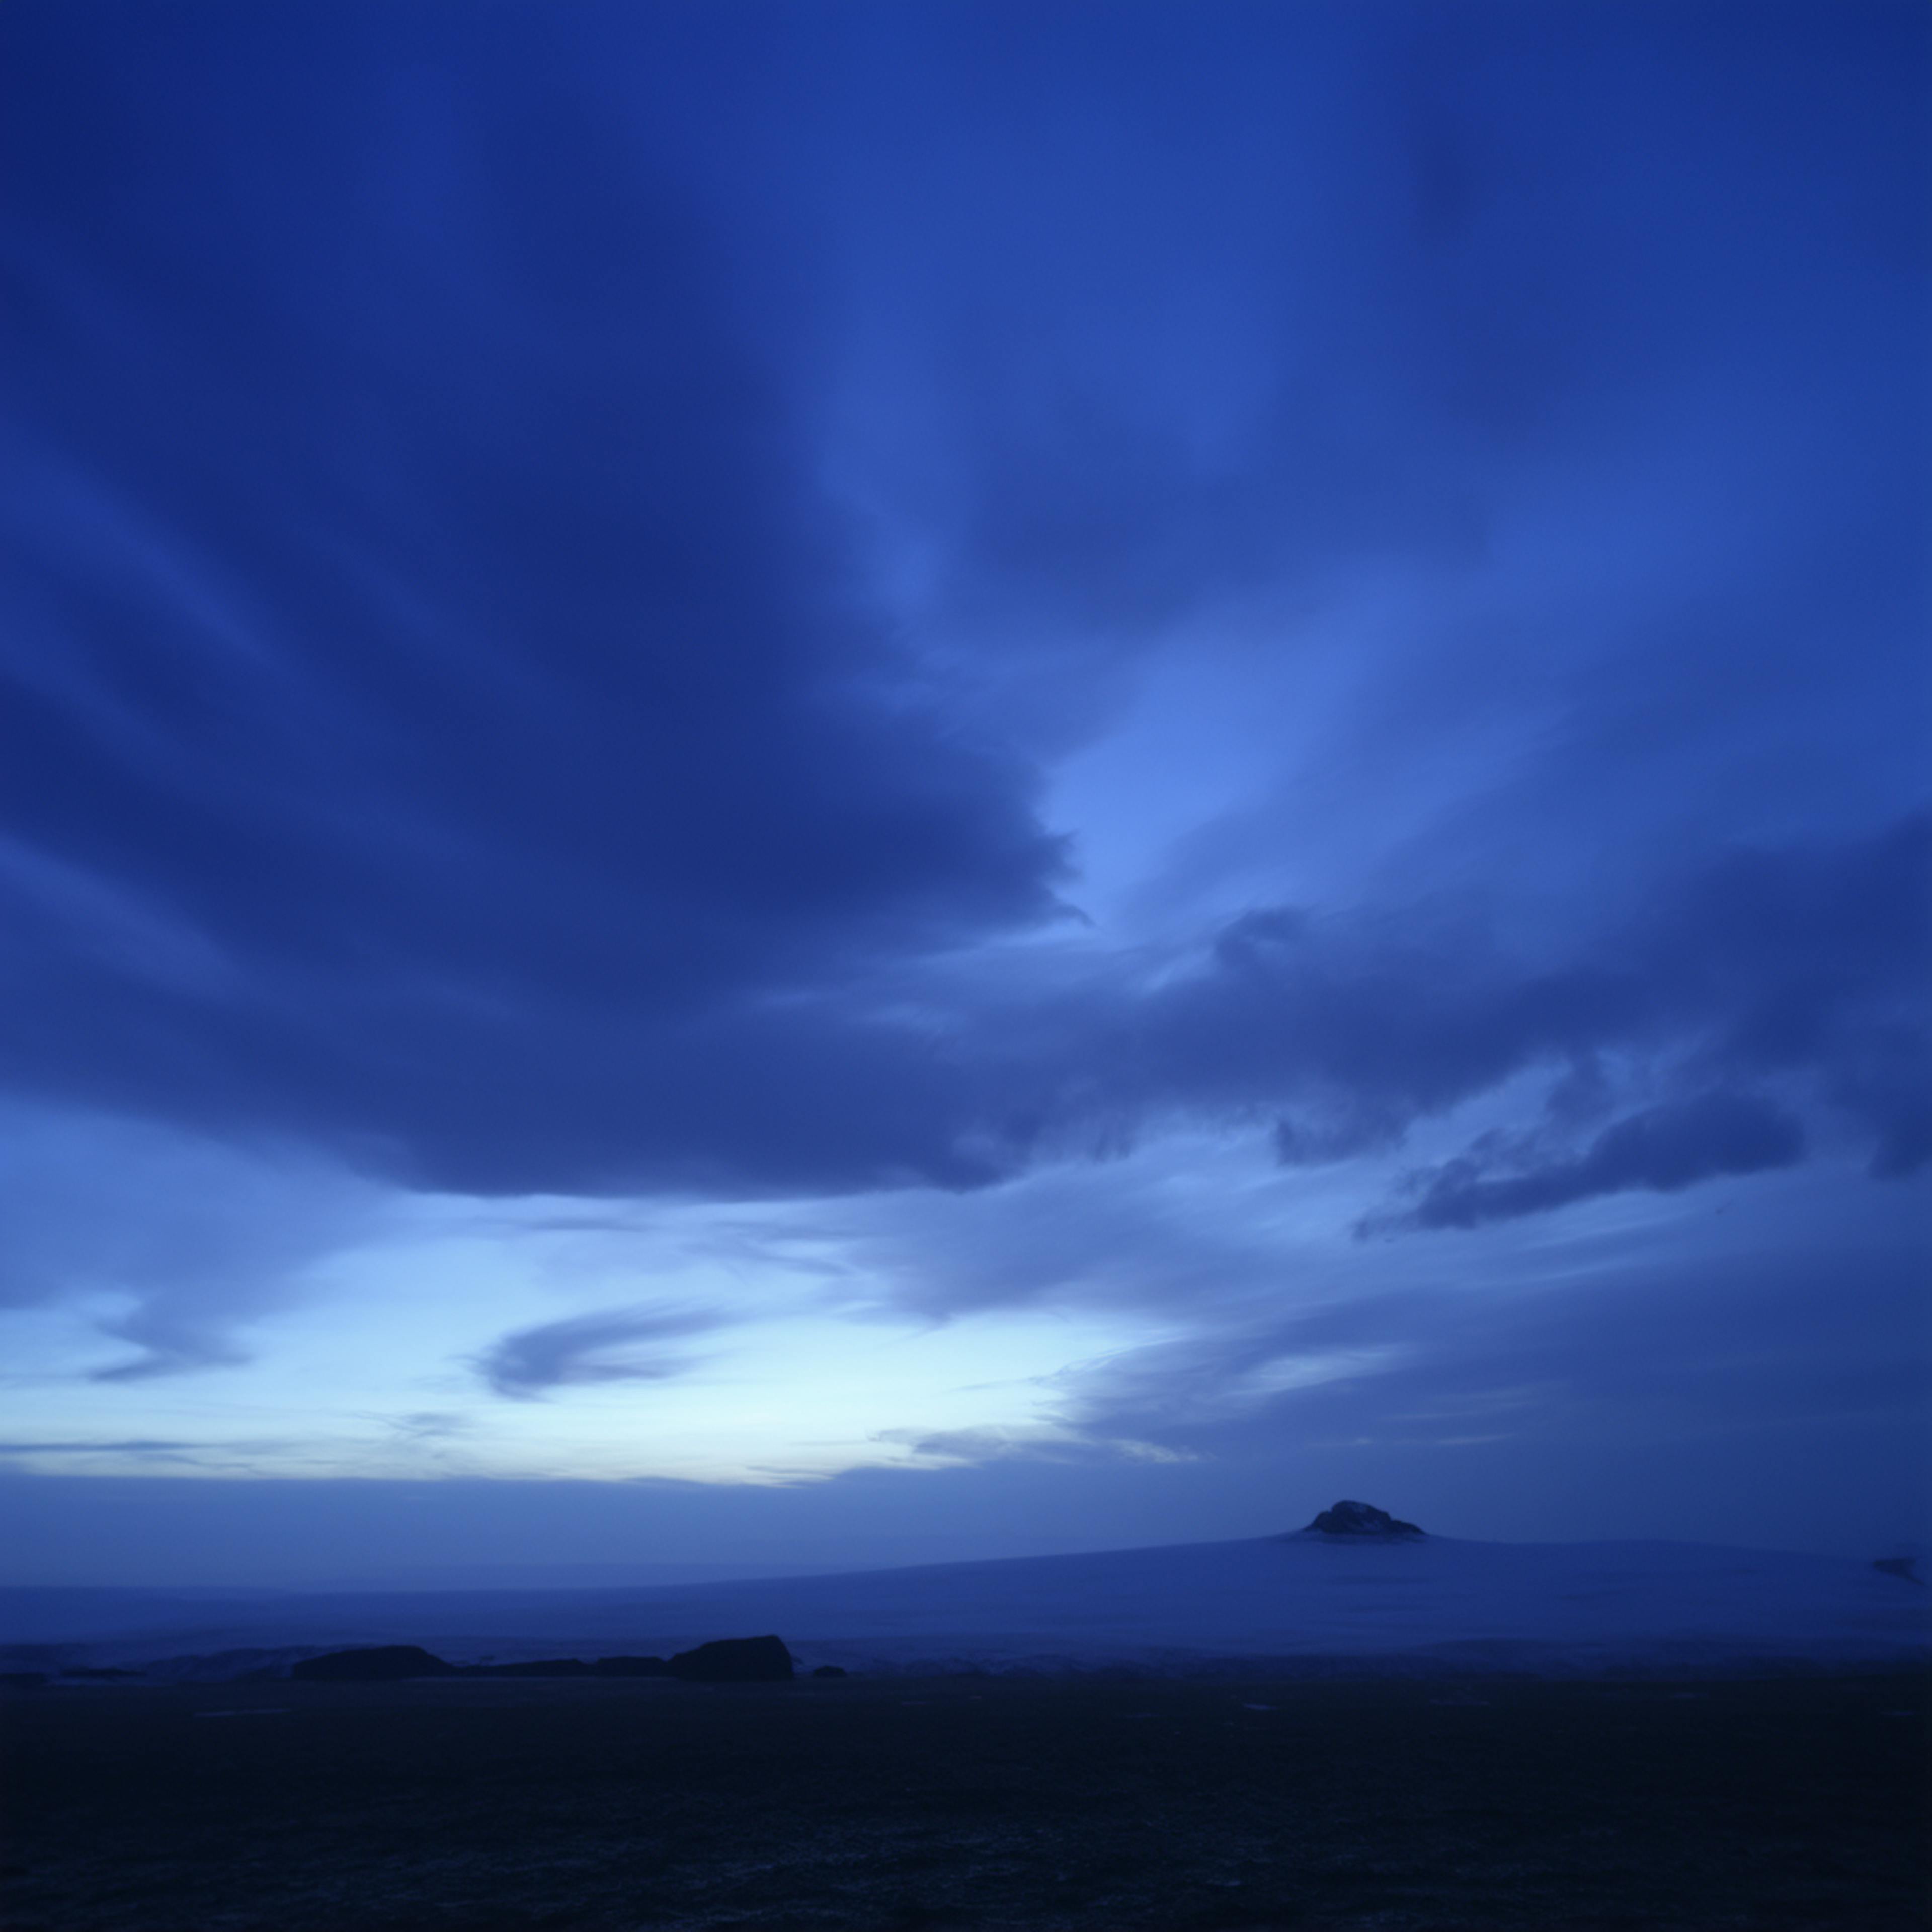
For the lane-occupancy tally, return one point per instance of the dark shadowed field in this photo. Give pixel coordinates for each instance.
(1792, 1803)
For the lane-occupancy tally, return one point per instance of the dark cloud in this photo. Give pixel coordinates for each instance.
(599, 1348)
(459, 712)
(1819, 959)
(428, 651)
(1664, 1148)
(1806, 966)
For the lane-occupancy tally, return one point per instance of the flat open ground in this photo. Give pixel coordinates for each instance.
(1794, 1803)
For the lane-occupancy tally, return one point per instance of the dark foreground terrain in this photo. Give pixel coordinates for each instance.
(1793, 1803)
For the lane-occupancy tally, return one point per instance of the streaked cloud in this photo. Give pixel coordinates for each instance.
(602, 1347)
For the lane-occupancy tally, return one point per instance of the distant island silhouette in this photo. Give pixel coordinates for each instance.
(1347, 1519)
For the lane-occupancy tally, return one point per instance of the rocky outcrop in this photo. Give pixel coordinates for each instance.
(742, 1660)
(388, 1663)
(735, 1660)
(1358, 1522)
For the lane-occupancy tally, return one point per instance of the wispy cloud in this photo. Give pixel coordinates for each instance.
(180, 1238)
(1664, 1149)
(428, 1425)
(610, 1346)
(1043, 1443)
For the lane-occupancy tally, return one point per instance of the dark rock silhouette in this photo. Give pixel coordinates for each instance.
(829, 1670)
(106, 1674)
(743, 1660)
(385, 1664)
(1359, 1520)
(735, 1660)
(1901, 1566)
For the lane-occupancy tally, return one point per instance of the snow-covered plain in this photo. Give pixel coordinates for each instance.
(1298, 1602)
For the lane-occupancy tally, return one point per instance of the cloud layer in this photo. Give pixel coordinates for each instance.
(907, 620)
(452, 719)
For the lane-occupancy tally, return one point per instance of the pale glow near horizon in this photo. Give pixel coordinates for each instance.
(369, 1362)
(374, 1371)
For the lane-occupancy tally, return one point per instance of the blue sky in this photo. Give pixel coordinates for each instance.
(871, 782)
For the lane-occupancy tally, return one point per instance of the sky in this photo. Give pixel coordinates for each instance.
(822, 785)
